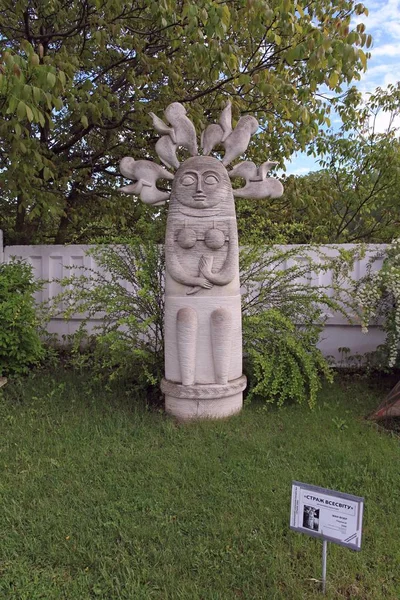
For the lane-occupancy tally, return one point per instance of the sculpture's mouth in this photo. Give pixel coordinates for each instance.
(199, 197)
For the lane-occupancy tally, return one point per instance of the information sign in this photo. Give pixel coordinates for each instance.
(327, 514)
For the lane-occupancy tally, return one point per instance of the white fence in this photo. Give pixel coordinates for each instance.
(54, 262)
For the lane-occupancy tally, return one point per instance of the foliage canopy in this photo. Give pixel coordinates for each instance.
(355, 196)
(78, 79)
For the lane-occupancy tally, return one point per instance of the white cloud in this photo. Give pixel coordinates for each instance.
(383, 121)
(386, 50)
(383, 17)
(392, 77)
(377, 70)
(300, 171)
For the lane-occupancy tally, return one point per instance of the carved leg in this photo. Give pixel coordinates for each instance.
(187, 338)
(221, 337)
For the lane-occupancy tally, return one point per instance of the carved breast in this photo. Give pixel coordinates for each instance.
(186, 238)
(213, 238)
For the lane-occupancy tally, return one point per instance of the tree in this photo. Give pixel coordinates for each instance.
(355, 197)
(78, 79)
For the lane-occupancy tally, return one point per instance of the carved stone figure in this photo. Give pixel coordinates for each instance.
(258, 185)
(146, 174)
(203, 339)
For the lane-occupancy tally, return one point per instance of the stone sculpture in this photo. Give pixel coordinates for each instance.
(203, 339)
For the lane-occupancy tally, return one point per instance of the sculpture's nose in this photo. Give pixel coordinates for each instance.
(198, 185)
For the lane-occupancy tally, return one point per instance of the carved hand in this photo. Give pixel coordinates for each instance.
(205, 283)
(205, 265)
(202, 283)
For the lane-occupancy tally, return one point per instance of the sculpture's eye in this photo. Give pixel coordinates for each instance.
(211, 179)
(187, 180)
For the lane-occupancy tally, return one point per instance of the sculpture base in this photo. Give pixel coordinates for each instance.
(203, 401)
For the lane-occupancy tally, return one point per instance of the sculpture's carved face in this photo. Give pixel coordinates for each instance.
(201, 182)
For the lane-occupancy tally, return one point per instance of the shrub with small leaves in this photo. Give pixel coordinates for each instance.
(126, 289)
(20, 344)
(283, 359)
(378, 294)
(284, 313)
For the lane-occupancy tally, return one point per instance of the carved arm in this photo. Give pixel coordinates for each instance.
(174, 267)
(228, 271)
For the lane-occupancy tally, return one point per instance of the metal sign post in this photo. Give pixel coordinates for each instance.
(329, 515)
(324, 553)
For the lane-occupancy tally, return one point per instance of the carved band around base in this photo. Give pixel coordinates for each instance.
(204, 391)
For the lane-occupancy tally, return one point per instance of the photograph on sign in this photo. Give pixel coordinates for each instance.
(328, 514)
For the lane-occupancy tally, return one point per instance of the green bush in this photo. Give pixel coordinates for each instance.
(129, 342)
(284, 363)
(20, 344)
(378, 294)
(284, 314)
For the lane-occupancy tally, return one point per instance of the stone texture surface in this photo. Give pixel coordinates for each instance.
(188, 409)
(202, 305)
(258, 185)
(203, 401)
(201, 344)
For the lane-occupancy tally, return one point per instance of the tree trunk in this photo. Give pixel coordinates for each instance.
(21, 235)
(62, 232)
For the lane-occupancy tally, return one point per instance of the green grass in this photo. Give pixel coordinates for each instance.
(100, 499)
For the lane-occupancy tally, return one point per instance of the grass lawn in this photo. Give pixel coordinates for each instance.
(101, 499)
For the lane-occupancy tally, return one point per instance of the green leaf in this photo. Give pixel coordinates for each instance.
(27, 92)
(36, 94)
(42, 119)
(61, 77)
(363, 58)
(51, 79)
(29, 113)
(58, 103)
(47, 174)
(291, 55)
(305, 117)
(34, 60)
(244, 78)
(21, 110)
(333, 79)
(225, 15)
(84, 121)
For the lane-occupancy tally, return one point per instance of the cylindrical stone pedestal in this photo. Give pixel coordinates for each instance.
(202, 401)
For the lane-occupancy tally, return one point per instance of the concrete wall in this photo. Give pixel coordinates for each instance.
(56, 261)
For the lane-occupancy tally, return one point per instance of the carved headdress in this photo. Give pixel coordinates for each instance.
(178, 131)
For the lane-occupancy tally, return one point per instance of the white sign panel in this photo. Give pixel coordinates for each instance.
(327, 514)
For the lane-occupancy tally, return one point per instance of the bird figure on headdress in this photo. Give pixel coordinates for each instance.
(145, 175)
(180, 132)
(236, 143)
(258, 185)
(217, 132)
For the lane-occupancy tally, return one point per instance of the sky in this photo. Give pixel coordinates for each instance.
(383, 23)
